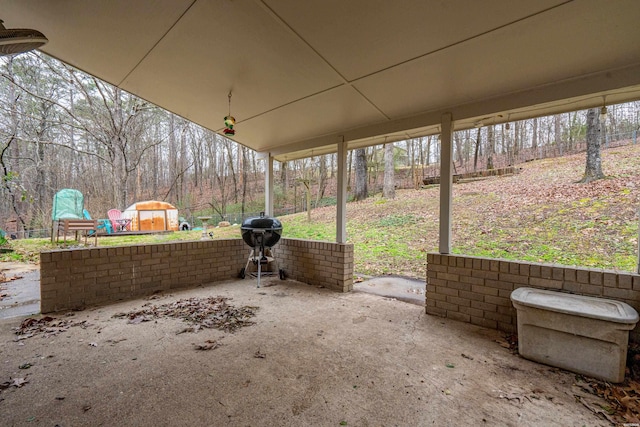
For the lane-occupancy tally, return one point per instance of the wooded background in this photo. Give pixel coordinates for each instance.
(61, 128)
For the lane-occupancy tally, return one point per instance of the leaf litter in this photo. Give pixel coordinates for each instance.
(212, 313)
(208, 345)
(622, 400)
(5, 279)
(46, 326)
(13, 382)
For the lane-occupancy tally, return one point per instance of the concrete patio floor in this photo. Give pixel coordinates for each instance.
(314, 357)
(22, 295)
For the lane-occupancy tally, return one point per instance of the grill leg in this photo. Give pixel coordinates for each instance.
(259, 268)
(249, 261)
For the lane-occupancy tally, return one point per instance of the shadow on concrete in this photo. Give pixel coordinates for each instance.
(400, 288)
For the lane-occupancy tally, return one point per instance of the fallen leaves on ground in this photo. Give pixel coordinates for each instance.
(212, 312)
(208, 345)
(13, 382)
(46, 326)
(622, 400)
(3, 278)
(519, 398)
(509, 341)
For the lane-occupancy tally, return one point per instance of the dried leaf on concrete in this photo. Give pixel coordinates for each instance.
(4, 278)
(208, 345)
(46, 326)
(519, 398)
(622, 401)
(19, 382)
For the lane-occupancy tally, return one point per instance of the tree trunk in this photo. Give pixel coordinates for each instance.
(389, 187)
(558, 133)
(322, 184)
(428, 156)
(181, 191)
(230, 163)
(475, 155)
(284, 179)
(361, 192)
(349, 168)
(491, 149)
(457, 140)
(245, 175)
(593, 169)
(307, 189)
(534, 137)
(516, 141)
(173, 154)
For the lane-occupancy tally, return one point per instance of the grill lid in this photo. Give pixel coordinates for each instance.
(261, 227)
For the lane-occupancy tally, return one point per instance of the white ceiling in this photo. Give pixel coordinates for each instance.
(306, 75)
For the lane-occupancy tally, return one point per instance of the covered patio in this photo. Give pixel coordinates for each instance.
(304, 79)
(308, 79)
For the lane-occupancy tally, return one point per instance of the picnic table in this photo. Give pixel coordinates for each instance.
(84, 226)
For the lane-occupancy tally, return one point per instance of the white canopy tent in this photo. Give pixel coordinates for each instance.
(315, 77)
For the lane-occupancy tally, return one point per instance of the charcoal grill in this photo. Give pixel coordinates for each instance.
(261, 233)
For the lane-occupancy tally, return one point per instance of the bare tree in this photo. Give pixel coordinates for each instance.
(389, 187)
(361, 192)
(322, 178)
(245, 177)
(477, 150)
(534, 137)
(491, 149)
(593, 169)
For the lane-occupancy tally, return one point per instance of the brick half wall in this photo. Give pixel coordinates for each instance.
(477, 290)
(77, 278)
(317, 263)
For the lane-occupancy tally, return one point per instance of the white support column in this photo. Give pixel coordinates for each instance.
(446, 183)
(341, 205)
(268, 186)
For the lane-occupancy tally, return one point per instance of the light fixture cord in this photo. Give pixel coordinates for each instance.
(229, 103)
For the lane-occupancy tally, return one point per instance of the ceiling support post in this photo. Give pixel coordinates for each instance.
(268, 186)
(341, 205)
(446, 183)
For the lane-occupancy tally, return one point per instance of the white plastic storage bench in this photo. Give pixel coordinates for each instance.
(582, 334)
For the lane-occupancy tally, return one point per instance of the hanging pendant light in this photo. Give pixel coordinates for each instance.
(603, 110)
(229, 121)
(603, 113)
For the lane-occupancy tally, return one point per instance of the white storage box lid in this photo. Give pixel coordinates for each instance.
(579, 305)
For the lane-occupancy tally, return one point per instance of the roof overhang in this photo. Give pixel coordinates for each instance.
(307, 75)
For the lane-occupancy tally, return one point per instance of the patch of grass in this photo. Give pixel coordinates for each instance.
(28, 250)
(296, 226)
(397, 220)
